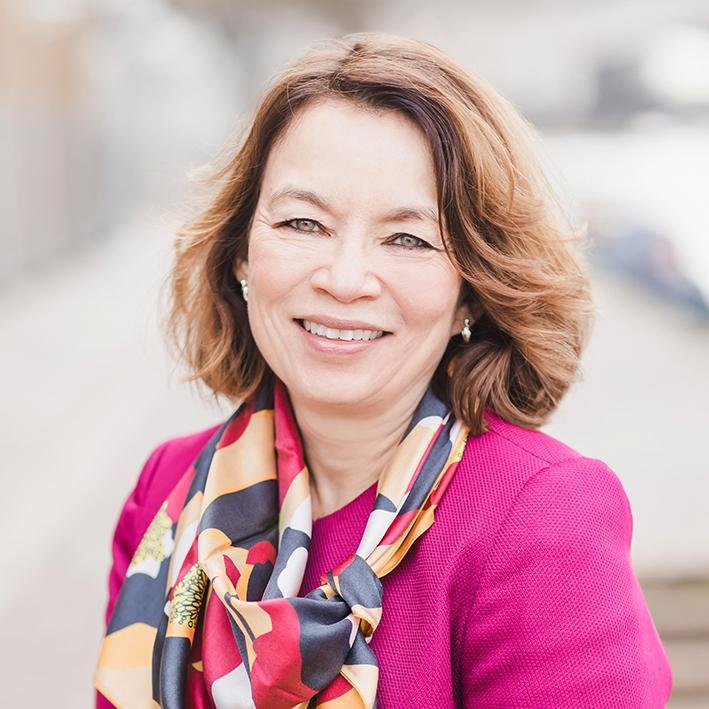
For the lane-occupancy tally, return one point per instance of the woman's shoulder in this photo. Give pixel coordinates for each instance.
(523, 443)
(511, 456)
(167, 462)
(510, 473)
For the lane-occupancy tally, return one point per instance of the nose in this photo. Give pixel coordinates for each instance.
(345, 272)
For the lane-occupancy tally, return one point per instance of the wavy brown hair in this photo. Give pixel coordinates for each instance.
(523, 276)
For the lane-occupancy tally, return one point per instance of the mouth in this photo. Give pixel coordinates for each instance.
(343, 335)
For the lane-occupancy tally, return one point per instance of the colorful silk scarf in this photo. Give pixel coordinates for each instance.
(209, 613)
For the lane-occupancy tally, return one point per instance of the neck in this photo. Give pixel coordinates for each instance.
(346, 451)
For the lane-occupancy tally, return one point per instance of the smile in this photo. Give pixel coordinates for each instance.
(334, 334)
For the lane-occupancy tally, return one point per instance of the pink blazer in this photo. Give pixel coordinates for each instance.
(521, 594)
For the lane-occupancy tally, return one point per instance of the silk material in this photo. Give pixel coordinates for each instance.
(209, 613)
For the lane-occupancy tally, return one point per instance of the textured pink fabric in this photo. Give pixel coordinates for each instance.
(522, 593)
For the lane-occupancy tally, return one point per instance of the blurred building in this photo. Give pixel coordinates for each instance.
(101, 111)
(47, 164)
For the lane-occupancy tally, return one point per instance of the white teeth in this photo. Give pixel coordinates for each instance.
(333, 334)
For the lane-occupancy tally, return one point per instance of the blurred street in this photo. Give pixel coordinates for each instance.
(88, 394)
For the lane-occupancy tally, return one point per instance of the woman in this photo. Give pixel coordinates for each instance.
(382, 282)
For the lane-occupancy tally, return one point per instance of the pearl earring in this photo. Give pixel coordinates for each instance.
(466, 331)
(244, 289)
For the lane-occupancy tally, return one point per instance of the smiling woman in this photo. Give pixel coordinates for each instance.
(383, 288)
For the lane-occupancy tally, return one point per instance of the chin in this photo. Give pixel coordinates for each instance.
(333, 390)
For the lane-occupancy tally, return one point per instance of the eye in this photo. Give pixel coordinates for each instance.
(409, 241)
(310, 224)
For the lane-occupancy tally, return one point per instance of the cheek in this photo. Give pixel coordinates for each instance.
(429, 301)
(273, 271)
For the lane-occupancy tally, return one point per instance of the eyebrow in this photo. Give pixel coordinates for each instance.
(422, 214)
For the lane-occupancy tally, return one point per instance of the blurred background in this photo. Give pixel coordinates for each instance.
(108, 109)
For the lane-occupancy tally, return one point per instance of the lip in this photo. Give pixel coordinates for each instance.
(337, 347)
(341, 324)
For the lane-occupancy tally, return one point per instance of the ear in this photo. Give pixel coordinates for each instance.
(241, 270)
(462, 312)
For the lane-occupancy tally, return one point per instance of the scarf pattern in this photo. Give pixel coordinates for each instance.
(209, 613)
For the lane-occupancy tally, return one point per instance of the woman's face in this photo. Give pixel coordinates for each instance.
(345, 242)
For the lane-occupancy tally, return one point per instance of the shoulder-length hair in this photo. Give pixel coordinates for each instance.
(526, 287)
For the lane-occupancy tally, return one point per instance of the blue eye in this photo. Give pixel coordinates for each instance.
(409, 241)
(290, 222)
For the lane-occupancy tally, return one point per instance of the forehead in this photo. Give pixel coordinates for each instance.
(355, 155)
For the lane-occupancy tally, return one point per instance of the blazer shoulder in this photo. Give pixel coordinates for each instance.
(167, 463)
(185, 448)
(517, 487)
(527, 442)
(499, 463)
(496, 469)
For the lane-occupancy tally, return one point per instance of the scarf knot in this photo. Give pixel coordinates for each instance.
(356, 583)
